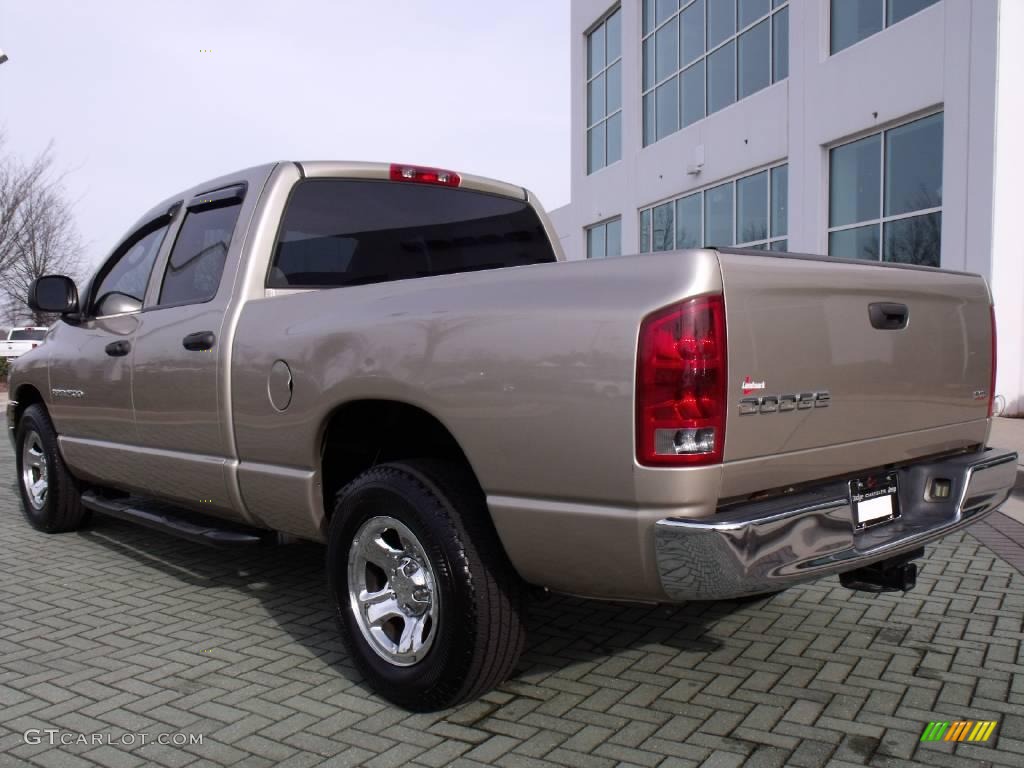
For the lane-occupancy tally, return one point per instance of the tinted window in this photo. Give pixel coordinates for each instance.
(128, 273)
(853, 20)
(752, 208)
(854, 183)
(913, 166)
(338, 233)
(755, 50)
(664, 229)
(28, 334)
(693, 93)
(197, 260)
(780, 200)
(857, 243)
(668, 108)
(688, 216)
(722, 78)
(692, 33)
(718, 216)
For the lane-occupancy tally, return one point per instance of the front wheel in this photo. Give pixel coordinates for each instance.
(50, 496)
(427, 602)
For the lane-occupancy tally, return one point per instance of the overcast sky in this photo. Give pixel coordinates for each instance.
(137, 112)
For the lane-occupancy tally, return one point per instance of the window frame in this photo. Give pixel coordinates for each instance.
(881, 220)
(589, 127)
(603, 224)
(775, 7)
(886, 24)
(224, 196)
(164, 221)
(765, 243)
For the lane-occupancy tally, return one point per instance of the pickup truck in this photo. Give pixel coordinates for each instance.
(21, 340)
(399, 362)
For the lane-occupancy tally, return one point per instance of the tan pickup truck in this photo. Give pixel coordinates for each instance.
(398, 361)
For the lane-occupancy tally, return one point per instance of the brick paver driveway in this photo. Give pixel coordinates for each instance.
(120, 631)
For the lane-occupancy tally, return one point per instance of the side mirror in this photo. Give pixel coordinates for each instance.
(53, 293)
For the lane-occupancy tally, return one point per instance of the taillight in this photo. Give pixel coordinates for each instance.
(421, 175)
(992, 381)
(681, 384)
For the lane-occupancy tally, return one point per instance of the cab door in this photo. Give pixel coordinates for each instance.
(177, 360)
(90, 359)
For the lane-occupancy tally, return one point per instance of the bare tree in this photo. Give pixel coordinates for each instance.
(38, 234)
(48, 244)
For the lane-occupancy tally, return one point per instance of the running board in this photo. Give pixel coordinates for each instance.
(184, 524)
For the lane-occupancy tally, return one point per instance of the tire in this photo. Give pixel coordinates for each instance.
(471, 635)
(54, 507)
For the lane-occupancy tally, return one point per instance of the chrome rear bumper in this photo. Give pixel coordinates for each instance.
(770, 545)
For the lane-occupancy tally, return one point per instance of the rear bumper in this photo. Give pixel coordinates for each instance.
(767, 546)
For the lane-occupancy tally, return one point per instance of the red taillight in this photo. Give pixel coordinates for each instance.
(681, 384)
(992, 381)
(421, 175)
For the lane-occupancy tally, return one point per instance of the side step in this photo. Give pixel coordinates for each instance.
(184, 524)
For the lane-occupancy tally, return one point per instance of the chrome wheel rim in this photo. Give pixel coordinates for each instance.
(393, 591)
(33, 469)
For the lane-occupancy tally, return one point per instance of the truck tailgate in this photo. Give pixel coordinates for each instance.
(800, 325)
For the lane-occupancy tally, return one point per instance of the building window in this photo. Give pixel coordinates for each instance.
(700, 56)
(604, 93)
(885, 195)
(853, 20)
(604, 239)
(749, 212)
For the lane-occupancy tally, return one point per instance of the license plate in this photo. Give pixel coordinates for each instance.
(874, 499)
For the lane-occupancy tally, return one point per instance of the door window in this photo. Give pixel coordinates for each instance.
(197, 261)
(122, 282)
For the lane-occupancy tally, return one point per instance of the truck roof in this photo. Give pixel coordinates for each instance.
(258, 174)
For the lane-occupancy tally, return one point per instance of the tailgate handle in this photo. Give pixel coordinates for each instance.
(887, 316)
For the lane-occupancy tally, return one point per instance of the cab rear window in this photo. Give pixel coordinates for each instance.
(347, 232)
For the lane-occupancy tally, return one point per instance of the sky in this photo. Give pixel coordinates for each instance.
(143, 99)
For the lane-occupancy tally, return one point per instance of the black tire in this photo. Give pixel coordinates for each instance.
(479, 633)
(61, 509)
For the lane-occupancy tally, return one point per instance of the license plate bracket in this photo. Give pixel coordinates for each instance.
(874, 500)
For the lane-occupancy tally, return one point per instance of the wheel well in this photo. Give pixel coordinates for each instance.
(364, 433)
(25, 396)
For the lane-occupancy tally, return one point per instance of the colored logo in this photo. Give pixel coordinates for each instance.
(751, 386)
(959, 730)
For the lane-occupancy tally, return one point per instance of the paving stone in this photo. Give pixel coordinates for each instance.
(105, 631)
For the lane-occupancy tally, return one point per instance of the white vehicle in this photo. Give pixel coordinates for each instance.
(21, 340)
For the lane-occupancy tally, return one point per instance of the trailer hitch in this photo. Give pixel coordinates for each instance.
(896, 574)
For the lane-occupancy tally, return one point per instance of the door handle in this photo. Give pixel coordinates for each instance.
(199, 341)
(119, 348)
(887, 316)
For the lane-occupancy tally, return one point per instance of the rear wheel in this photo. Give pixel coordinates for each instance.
(427, 602)
(50, 496)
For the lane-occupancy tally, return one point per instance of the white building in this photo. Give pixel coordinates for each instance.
(863, 128)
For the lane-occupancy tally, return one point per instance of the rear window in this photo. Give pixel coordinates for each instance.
(338, 233)
(28, 334)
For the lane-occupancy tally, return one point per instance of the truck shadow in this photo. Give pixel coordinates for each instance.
(567, 636)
